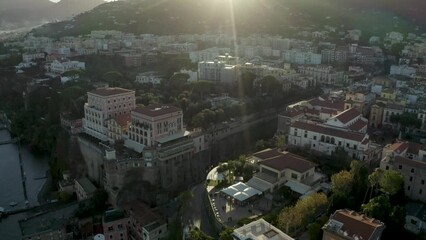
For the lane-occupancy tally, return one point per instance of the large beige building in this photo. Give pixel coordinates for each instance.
(103, 104)
(153, 122)
(408, 159)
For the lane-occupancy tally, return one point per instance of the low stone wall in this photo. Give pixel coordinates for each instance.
(219, 226)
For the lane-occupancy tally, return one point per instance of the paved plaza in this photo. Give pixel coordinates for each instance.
(229, 213)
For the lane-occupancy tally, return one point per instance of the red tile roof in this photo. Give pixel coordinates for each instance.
(329, 131)
(287, 160)
(268, 153)
(142, 213)
(410, 162)
(347, 115)
(398, 147)
(155, 110)
(122, 120)
(356, 224)
(358, 125)
(327, 104)
(329, 111)
(414, 148)
(110, 91)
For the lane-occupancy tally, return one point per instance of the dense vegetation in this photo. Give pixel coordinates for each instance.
(242, 16)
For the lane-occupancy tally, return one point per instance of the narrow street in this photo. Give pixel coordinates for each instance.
(196, 213)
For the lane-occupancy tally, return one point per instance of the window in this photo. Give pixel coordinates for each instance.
(420, 191)
(315, 137)
(400, 167)
(411, 179)
(423, 182)
(387, 167)
(111, 228)
(412, 170)
(408, 188)
(294, 175)
(306, 135)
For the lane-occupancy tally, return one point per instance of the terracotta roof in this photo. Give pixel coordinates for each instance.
(110, 91)
(356, 224)
(142, 213)
(122, 120)
(347, 115)
(398, 147)
(395, 106)
(329, 131)
(287, 160)
(312, 112)
(155, 110)
(267, 153)
(327, 104)
(410, 162)
(329, 111)
(414, 148)
(358, 125)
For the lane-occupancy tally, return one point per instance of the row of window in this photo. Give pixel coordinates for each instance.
(326, 139)
(119, 99)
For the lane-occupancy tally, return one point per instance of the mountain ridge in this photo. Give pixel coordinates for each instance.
(248, 16)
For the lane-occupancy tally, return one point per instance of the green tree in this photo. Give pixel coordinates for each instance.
(315, 231)
(226, 234)
(197, 234)
(391, 182)
(245, 84)
(303, 212)
(341, 183)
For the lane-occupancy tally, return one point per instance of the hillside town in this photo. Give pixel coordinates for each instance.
(260, 137)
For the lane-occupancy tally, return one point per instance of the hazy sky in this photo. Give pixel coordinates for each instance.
(55, 1)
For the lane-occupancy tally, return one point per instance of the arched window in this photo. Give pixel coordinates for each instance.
(333, 140)
(322, 138)
(327, 139)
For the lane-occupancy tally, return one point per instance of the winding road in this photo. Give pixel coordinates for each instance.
(195, 212)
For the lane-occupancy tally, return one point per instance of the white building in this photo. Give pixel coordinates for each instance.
(29, 57)
(403, 70)
(209, 54)
(105, 103)
(216, 71)
(149, 77)
(302, 58)
(59, 67)
(346, 130)
(259, 230)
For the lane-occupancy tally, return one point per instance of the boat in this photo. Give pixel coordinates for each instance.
(13, 204)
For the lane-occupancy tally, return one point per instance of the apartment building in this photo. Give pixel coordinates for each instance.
(322, 74)
(409, 159)
(345, 224)
(115, 224)
(103, 104)
(346, 130)
(211, 70)
(153, 122)
(145, 223)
